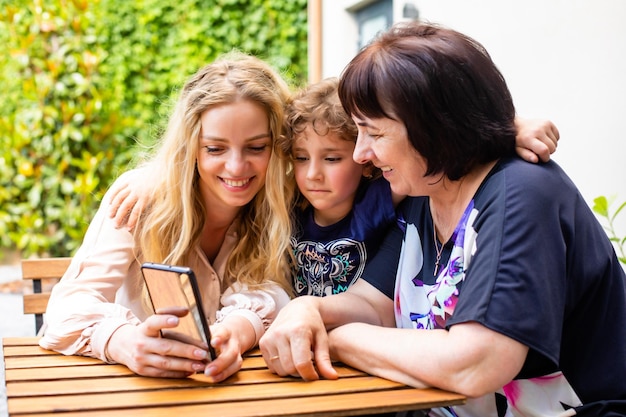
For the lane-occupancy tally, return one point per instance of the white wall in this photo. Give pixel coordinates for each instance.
(339, 37)
(564, 60)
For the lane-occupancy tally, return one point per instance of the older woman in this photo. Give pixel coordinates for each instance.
(505, 288)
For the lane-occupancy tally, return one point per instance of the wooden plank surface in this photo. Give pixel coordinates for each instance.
(35, 375)
(44, 268)
(164, 394)
(21, 362)
(41, 382)
(14, 361)
(27, 350)
(19, 341)
(35, 303)
(328, 406)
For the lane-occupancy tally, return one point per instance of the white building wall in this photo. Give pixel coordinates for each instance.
(564, 60)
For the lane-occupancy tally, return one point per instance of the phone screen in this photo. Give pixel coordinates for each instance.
(171, 287)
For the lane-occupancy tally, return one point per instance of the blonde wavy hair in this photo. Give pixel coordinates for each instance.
(171, 227)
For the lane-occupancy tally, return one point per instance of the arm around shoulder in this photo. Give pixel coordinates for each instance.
(536, 140)
(129, 196)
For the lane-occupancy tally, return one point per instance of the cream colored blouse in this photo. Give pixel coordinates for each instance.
(102, 290)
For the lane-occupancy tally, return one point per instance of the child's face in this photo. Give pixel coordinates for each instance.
(326, 174)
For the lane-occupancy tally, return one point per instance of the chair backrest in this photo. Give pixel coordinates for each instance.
(41, 271)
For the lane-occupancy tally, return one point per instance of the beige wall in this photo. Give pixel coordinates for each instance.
(563, 59)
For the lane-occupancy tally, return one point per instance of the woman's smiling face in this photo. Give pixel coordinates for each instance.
(386, 144)
(234, 153)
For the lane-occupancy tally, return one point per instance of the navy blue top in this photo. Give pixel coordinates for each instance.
(529, 260)
(331, 258)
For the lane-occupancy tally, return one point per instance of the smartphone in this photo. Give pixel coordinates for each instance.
(173, 287)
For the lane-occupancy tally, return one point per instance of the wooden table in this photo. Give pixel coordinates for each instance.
(41, 382)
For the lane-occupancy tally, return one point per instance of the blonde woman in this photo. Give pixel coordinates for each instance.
(217, 204)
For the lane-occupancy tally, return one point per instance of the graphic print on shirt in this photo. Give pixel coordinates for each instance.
(430, 305)
(327, 268)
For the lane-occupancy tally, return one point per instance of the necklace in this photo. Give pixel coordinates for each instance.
(438, 249)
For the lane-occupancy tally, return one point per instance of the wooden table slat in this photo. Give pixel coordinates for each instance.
(331, 406)
(205, 394)
(27, 346)
(59, 373)
(25, 362)
(20, 341)
(34, 375)
(47, 360)
(27, 350)
(29, 385)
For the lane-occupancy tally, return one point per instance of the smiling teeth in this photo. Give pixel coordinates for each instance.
(239, 183)
(385, 169)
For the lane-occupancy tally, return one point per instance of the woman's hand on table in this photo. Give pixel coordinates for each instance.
(228, 346)
(296, 343)
(142, 349)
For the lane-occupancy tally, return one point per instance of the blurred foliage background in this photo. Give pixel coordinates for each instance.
(86, 84)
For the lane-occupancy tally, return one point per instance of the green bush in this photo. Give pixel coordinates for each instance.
(86, 84)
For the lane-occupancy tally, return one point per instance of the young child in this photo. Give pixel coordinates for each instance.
(343, 208)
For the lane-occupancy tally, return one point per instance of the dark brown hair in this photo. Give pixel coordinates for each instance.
(443, 86)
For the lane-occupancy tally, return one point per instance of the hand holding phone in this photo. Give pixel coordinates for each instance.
(172, 290)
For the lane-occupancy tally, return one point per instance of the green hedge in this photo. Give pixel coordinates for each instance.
(86, 83)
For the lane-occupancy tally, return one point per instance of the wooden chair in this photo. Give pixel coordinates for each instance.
(41, 271)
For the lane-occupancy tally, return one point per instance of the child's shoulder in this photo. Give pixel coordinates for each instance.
(377, 185)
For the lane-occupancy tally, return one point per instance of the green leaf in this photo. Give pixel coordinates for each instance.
(601, 206)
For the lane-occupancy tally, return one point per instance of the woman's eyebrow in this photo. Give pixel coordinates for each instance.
(255, 137)
(360, 122)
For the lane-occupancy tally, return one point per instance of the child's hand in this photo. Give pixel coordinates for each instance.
(129, 196)
(536, 139)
